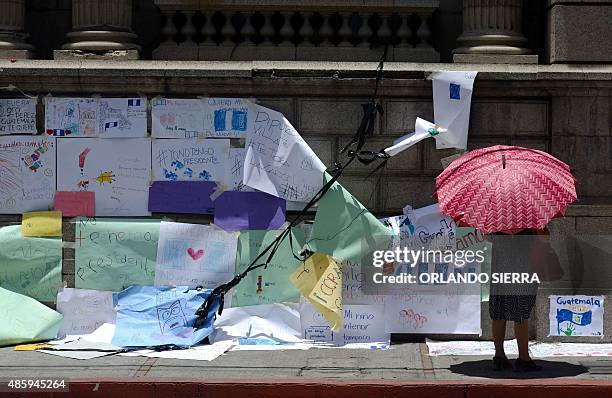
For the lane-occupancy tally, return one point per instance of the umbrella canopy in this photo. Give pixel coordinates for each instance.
(505, 189)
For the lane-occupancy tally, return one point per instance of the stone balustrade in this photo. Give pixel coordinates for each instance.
(292, 30)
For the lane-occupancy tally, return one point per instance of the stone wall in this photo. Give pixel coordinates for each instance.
(566, 111)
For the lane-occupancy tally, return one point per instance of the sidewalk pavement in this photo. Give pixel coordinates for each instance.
(401, 366)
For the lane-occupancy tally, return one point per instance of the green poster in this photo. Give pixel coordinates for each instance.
(25, 320)
(345, 230)
(271, 285)
(112, 254)
(470, 239)
(30, 266)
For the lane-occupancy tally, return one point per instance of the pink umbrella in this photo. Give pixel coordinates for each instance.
(505, 189)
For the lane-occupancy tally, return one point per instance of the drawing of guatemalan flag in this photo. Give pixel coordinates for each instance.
(576, 316)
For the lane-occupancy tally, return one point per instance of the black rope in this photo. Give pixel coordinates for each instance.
(366, 129)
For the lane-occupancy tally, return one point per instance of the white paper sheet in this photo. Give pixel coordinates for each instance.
(195, 255)
(18, 115)
(361, 324)
(122, 117)
(190, 159)
(71, 116)
(422, 130)
(279, 322)
(117, 170)
(278, 347)
(279, 161)
(84, 310)
(206, 352)
(27, 174)
(103, 334)
(485, 348)
(82, 349)
(543, 350)
(576, 316)
(452, 97)
(201, 117)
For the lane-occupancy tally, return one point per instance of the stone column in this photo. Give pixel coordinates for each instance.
(492, 33)
(100, 29)
(12, 35)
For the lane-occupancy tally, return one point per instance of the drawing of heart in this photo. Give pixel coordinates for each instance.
(195, 255)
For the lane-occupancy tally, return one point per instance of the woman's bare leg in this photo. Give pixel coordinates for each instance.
(499, 334)
(521, 331)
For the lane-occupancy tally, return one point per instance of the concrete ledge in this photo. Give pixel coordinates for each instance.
(261, 79)
(494, 59)
(229, 388)
(16, 54)
(114, 55)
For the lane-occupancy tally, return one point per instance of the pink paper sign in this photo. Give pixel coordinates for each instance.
(73, 204)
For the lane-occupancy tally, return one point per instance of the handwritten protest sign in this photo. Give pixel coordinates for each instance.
(353, 289)
(426, 227)
(122, 117)
(73, 204)
(18, 116)
(361, 324)
(160, 315)
(42, 223)
(435, 308)
(30, 266)
(71, 116)
(345, 229)
(117, 170)
(84, 311)
(190, 197)
(319, 279)
(113, 254)
(576, 316)
(227, 117)
(195, 255)
(237, 211)
(235, 170)
(190, 160)
(27, 174)
(25, 319)
(270, 285)
(202, 117)
(452, 97)
(279, 161)
(177, 118)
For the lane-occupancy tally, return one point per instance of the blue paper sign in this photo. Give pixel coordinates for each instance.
(455, 91)
(149, 316)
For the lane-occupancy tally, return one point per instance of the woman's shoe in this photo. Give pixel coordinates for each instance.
(526, 366)
(501, 363)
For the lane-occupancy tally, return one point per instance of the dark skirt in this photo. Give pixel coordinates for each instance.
(511, 308)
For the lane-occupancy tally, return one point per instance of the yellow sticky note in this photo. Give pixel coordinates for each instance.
(32, 347)
(319, 279)
(42, 223)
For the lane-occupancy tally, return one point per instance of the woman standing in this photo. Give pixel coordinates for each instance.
(513, 301)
